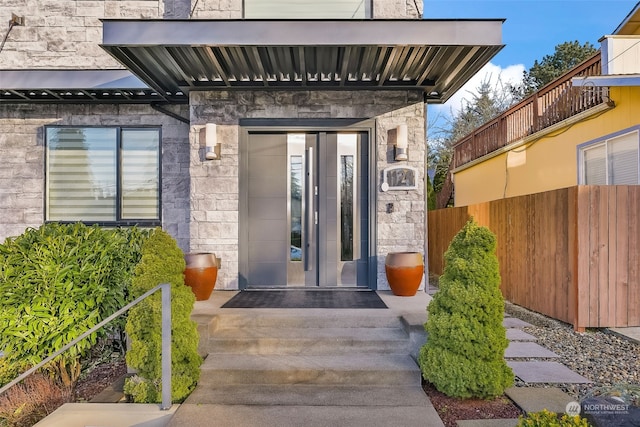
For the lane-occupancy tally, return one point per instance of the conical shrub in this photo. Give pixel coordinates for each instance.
(464, 352)
(162, 262)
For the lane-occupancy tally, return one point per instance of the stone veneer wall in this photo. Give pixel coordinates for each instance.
(22, 179)
(215, 184)
(67, 33)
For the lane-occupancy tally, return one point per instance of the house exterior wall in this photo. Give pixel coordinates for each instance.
(22, 148)
(215, 184)
(199, 199)
(548, 163)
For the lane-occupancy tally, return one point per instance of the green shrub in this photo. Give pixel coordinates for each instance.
(57, 282)
(162, 262)
(464, 352)
(545, 418)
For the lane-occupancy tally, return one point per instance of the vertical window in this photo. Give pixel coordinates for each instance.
(104, 175)
(615, 161)
(307, 9)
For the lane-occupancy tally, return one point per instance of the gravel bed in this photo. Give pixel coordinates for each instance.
(597, 354)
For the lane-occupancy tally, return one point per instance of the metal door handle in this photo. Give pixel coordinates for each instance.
(310, 212)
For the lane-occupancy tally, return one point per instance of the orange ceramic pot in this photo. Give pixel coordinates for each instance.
(404, 272)
(201, 274)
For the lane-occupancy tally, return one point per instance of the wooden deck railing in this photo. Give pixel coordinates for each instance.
(571, 254)
(555, 102)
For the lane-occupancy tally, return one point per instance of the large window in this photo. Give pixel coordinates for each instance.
(307, 9)
(612, 161)
(103, 174)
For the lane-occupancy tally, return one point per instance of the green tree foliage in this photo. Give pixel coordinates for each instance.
(162, 262)
(566, 56)
(431, 195)
(481, 107)
(57, 282)
(464, 352)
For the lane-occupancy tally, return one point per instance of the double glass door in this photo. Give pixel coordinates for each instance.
(306, 210)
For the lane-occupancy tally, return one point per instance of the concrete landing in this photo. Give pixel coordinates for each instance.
(631, 333)
(194, 415)
(535, 399)
(518, 349)
(545, 372)
(108, 415)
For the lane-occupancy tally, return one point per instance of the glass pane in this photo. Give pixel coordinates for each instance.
(623, 157)
(296, 207)
(140, 174)
(346, 207)
(301, 9)
(595, 166)
(81, 174)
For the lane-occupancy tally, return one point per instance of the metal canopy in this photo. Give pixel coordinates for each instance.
(177, 56)
(77, 86)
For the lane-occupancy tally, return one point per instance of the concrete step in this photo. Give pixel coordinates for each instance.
(195, 415)
(362, 369)
(308, 395)
(318, 341)
(294, 319)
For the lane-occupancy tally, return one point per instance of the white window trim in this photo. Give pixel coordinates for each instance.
(605, 141)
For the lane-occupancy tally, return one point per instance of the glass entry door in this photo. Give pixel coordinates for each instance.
(306, 210)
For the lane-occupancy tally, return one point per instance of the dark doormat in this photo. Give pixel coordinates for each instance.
(303, 298)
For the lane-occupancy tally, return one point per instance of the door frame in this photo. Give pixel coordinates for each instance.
(248, 126)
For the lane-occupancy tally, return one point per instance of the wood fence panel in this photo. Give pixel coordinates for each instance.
(621, 308)
(443, 225)
(583, 289)
(633, 275)
(571, 254)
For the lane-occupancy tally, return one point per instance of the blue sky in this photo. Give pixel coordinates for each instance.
(532, 30)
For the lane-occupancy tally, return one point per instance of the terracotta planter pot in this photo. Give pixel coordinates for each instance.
(201, 274)
(404, 272)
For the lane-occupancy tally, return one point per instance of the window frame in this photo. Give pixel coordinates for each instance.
(604, 141)
(367, 4)
(119, 221)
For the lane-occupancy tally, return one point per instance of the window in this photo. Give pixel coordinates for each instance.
(613, 161)
(103, 175)
(307, 9)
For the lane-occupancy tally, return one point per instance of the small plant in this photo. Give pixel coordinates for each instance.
(27, 403)
(464, 353)
(546, 418)
(162, 262)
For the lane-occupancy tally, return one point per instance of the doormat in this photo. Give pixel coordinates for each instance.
(299, 298)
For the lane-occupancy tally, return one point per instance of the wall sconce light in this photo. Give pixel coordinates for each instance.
(211, 146)
(402, 143)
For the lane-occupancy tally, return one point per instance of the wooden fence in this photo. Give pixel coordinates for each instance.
(572, 254)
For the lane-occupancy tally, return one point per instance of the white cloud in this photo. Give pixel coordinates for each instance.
(492, 73)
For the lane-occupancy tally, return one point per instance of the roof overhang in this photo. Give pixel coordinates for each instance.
(76, 86)
(607, 81)
(178, 56)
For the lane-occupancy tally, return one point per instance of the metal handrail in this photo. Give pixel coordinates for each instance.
(166, 343)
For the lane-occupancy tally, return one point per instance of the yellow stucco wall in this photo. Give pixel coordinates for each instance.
(548, 163)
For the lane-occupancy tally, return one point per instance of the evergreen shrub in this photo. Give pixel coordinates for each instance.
(464, 353)
(57, 282)
(162, 262)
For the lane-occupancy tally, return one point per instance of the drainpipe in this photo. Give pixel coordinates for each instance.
(426, 201)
